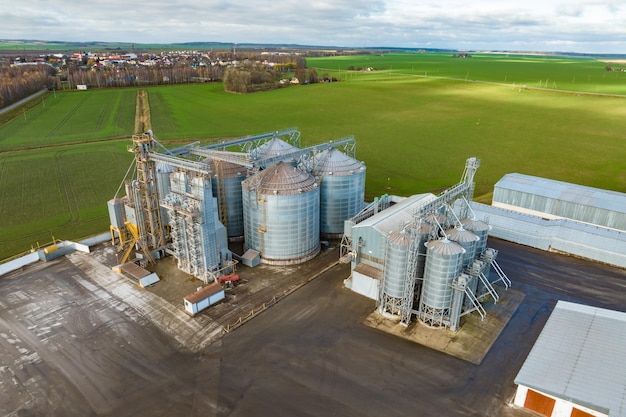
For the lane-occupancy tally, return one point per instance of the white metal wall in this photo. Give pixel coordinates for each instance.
(568, 236)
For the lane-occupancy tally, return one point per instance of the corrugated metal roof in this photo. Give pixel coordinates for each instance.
(399, 238)
(579, 194)
(445, 247)
(228, 169)
(281, 179)
(580, 356)
(397, 216)
(203, 293)
(274, 147)
(334, 162)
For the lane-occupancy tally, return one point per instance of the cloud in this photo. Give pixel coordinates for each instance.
(582, 26)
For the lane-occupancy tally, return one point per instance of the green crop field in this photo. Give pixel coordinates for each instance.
(413, 132)
(554, 73)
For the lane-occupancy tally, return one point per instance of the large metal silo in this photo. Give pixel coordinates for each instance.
(480, 229)
(273, 148)
(281, 214)
(444, 262)
(342, 190)
(394, 275)
(467, 240)
(226, 186)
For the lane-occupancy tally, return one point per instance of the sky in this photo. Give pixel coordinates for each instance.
(585, 26)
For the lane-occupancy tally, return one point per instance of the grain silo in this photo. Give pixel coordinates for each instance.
(480, 229)
(273, 148)
(163, 172)
(422, 233)
(226, 186)
(281, 214)
(467, 240)
(342, 192)
(444, 262)
(394, 274)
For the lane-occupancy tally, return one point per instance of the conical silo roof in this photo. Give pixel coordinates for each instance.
(399, 238)
(334, 162)
(272, 148)
(228, 169)
(459, 234)
(475, 225)
(445, 247)
(281, 179)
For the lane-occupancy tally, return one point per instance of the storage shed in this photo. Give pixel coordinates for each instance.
(203, 298)
(552, 199)
(576, 367)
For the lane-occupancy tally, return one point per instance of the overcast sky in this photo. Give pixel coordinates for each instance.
(530, 25)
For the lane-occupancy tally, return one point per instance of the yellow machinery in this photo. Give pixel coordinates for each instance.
(128, 238)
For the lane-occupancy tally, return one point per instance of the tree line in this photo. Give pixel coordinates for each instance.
(241, 72)
(138, 76)
(21, 81)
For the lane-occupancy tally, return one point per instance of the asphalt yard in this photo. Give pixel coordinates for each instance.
(77, 339)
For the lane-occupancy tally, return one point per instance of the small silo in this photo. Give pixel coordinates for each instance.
(163, 172)
(273, 148)
(437, 219)
(467, 240)
(342, 193)
(394, 275)
(444, 262)
(281, 214)
(480, 229)
(226, 186)
(423, 235)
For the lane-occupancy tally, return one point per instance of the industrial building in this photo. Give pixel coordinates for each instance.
(560, 200)
(558, 216)
(576, 367)
(423, 256)
(420, 257)
(264, 190)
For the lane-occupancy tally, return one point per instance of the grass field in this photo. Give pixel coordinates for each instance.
(413, 133)
(554, 73)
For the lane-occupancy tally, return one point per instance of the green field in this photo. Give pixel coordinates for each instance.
(554, 73)
(413, 133)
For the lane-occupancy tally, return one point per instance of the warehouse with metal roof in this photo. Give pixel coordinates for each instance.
(576, 367)
(556, 199)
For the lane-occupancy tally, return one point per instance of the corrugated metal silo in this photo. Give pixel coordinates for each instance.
(480, 229)
(396, 258)
(163, 172)
(423, 235)
(342, 190)
(226, 185)
(272, 148)
(281, 214)
(467, 240)
(444, 262)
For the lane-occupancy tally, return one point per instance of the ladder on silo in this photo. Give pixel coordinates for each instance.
(477, 305)
(505, 280)
(489, 287)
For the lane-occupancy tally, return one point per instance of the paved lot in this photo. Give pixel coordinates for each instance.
(75, 343)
